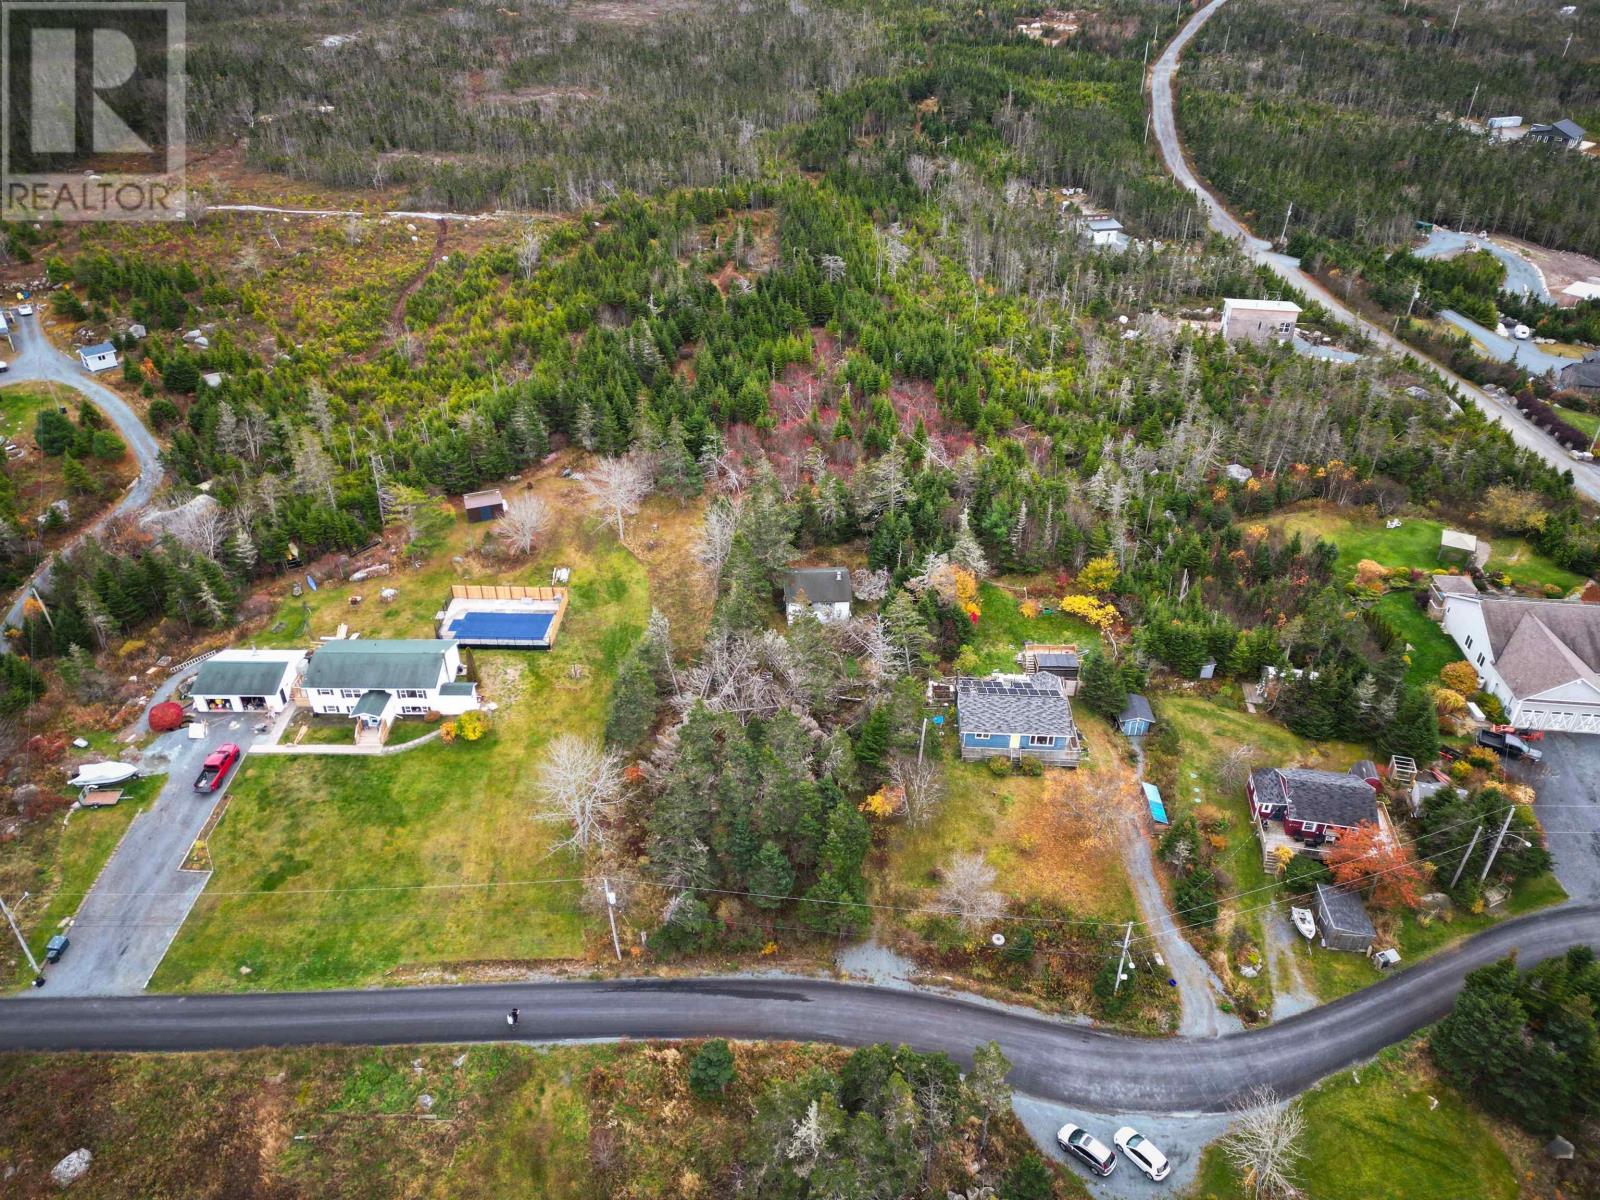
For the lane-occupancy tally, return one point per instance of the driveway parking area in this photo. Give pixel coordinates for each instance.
(1568, 783)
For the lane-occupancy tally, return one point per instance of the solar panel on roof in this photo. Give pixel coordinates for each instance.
(501, 627)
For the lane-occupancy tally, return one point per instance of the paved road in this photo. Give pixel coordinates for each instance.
(1526, 355)
(36, 360)
(139, 902)
(1586, 477)
(1053, 1060)
(1568, 805)
(1522, 277)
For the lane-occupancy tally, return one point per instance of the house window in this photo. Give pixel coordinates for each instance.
(978, 737)
(412, 694)
(350, 693)
(324, 691)
(1480, 660)
(1044, 740)
(1469, 641)
(1309, 827)
(414, 710)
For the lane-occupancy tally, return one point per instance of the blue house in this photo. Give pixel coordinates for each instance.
(1136, 716)
(1016, 716)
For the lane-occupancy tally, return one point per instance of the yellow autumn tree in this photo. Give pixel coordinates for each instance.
(1096, 612)
(1099, 574)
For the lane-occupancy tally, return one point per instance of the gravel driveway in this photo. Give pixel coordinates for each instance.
(1522, 277)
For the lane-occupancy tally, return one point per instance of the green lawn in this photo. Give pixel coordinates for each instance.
(1376, 1131)
(328, 870)
(1414, 544)
(1002, 629)
(1335, 973)
(1431, 646)
(86, 842)
(1584, 422)
(20, 404)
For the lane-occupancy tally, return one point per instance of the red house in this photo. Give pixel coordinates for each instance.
(1314, 806)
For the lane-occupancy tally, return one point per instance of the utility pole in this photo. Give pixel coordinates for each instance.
(1456, 18)
(1122, 958)
(611, 915)
(1462, 865)
(38, 975)
(1284, 236)
(1567, 47)
(1499, 837)
(1473, 103)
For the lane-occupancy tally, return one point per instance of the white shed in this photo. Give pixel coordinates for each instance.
(102, 356)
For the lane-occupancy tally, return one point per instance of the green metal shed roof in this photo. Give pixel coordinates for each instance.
(358, 663)
(239, 677)
(371, 704)
(464, 688)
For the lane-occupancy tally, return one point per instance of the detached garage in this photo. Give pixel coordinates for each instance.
(247, 681)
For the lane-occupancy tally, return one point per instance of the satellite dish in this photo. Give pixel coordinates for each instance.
(998, 939)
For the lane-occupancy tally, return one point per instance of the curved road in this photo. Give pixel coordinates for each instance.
(1052, 1060)
(37, 361)
(1586, 478)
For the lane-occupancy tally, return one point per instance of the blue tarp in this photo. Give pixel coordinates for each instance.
(1158, 810)
(499, 627)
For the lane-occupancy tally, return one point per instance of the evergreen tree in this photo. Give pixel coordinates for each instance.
(711, 1070)
(1100, 686)
(872, 741)
(772, 878)
(20, 684)
(1414, 732)
(634, 698)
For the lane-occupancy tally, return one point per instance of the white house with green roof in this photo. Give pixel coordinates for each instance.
(246, 680)
(378, 682)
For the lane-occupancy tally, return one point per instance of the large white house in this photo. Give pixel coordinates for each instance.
(1540, 658)
(247, 681)
(377, 682)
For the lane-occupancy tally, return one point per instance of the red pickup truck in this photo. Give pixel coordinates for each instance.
(217, 765)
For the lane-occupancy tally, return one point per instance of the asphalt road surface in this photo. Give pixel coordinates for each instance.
(36, 360)
(1053, 1060)
(1526, 355)
(1568, 806)
(1586, 477)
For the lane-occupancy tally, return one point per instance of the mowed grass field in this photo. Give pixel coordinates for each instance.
(352, 871)
(1002, 629)
(1378, 1131)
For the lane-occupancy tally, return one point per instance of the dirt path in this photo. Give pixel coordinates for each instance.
(1291, 991)
(397, 314)
(1198, 986)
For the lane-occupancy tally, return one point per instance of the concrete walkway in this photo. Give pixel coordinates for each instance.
(37, 361)
(1198, 985)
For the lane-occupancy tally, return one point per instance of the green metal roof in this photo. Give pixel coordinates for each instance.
(358, 663)
(464, 688)
(239, 677)
(371, 704)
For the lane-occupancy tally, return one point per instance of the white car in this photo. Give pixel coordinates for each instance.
(5, 366)
(1142, 1153)
(1521, 333)
(24, 310)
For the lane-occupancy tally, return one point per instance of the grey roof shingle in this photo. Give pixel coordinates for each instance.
(1321, 797)
(223, 676)
(1584, 374)
(1013, 704)
(822, 585)
(1541, 644)
(1137, 709)
(98, 348)
(1343, 912)
(357, 663)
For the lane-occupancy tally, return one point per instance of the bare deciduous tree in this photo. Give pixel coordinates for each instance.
(716, 536)
(967, 892)
(529, 248)
(1235, 768)
(616, 487)
(870, 585)
(923, 784)
(522, 522)
(1095, 804)
(1265, 1142)
(580, 784)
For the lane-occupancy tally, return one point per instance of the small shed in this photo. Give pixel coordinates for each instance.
(102, 356)
(1343, 920)
(1208, 669)
(1458, 547)
(1136, 716)
(485, 505)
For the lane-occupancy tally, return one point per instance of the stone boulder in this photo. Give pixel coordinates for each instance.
(71, 1168)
